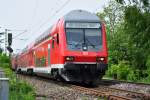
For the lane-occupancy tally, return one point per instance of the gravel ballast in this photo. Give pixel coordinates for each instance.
(49, 90)
(133, 87)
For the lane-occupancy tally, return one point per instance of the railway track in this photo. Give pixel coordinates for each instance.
(112, 93)
(103, 91)
(126, 93)
(98, 93)
(111, 82)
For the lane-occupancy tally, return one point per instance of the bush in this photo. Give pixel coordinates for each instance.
(4, 59)
(134, 75)
(21, 91)
(120, 70)
(18, 90)
(147, 79)
(112, 71)
(124, 71)
(148, 63)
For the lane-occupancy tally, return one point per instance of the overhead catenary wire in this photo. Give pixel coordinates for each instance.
(24, 31)
(33, 16)
(19, 34)
(53, 15)
(46, 21)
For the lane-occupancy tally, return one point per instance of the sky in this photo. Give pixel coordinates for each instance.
(27, 19)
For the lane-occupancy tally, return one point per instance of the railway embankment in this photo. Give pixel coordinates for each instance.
(18, 89)
(49, 89)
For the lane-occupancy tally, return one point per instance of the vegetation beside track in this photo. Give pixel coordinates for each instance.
(128, 28)
(18, 89)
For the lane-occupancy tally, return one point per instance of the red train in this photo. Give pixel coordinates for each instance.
(74, 49)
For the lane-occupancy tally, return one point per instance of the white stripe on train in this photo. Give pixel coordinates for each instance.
(47, 69)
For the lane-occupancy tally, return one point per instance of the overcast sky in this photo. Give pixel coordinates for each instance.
(32, 17)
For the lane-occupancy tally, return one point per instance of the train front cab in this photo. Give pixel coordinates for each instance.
(84, 54)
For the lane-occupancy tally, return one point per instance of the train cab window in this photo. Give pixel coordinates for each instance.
(80, 38)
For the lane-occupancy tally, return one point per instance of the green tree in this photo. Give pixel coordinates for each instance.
(113, 16)
(128, 34)
(137, 26)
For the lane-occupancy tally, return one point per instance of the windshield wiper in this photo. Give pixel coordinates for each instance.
(91, 44)
(69, 43)
(78, 43)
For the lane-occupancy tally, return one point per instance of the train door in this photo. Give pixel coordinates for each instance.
(49, 46)
(55, 50)
(34, 57)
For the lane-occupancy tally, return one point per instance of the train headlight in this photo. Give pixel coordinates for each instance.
(69, 58)
(100, 59)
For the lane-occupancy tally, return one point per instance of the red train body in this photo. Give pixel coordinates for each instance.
(74, 49)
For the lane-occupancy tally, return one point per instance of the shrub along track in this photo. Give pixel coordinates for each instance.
(46, 88)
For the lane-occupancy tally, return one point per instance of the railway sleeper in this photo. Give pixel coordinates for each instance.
(18, 71)
(115, 97)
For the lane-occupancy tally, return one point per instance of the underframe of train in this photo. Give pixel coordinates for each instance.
(83, 73)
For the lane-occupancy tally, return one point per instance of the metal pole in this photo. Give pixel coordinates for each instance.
(4, 88)
(1, 74)
(6, 41)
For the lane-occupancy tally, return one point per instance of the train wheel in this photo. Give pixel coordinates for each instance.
(93, 83)
(30, 71)
(18, 71)
(55, 73)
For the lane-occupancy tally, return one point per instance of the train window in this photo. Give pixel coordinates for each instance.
(57, 38)
(93, 39)
(77, 38)
(53, 43)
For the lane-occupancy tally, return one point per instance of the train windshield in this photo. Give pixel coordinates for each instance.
(84, 39)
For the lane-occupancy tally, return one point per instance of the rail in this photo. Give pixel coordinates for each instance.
(114, 81)
(111, 94)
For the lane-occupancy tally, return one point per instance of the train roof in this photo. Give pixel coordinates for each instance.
(43, 36)
(72, 16)
(81, 16)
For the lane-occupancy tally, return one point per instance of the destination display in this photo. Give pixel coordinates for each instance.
(82, 25)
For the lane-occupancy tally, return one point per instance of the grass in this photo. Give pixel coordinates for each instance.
(18, 89)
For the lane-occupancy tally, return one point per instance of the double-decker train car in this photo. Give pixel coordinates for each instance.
(74, 49)
(14, 62)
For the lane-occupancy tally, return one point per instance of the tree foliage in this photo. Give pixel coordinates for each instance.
(4, 60)
(113, 16)
(137, 27)
(128, 34)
